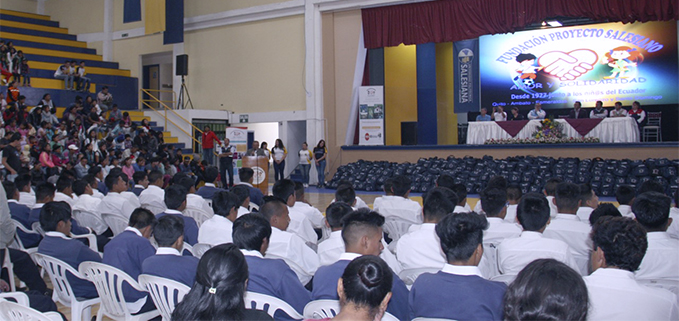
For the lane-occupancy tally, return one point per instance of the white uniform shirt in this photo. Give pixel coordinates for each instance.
(584, 212)
(242, 211)
(498, 230)
(514, 254)
(330, 250)
(301, 226)
(568, 228)
(153, 196)
(312, 213)
(459, 209)
(61, 197)
(662, 258)
(217, 230)
(399, 207)
(90, 204)
(510, 215)
(360, 203)
(198, 202)
(27, 199)
(132, 198)
(420, 248)
(552, 207)
(673, 230)
(615, 295)
(626, 211)
(291, 248)
(478, 208)
(116, 204)
(96, 193)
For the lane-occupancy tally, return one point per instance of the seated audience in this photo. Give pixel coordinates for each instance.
(364, 289)
(605, 209)
(88, 203)
(300, 225)
(614, 294)
(114, 202)
(624, 194)
(246, 178)
(168, 262)
(154, 195)
(673, 230)
(211, 177)
(362, 235)
(494, 201)
(498, 181)
(588, 202)
(550, 193)
(330, 249)
(219, 290)
(514, 194)
(251, 234)
(243, 198)
(218, 229)
(515, 253)
(175, 201)
(546, 289)
(461, 192)
(398, 205)
(141, 182)
(64, 191)
(475, 298)
(26, 193)
(21, 213)
(302, 205)
(194, 201)
(652, 211)
(346, 194)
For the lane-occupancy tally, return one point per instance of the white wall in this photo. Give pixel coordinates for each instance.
(264, 132)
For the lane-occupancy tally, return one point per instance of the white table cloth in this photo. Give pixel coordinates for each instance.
(610, 130)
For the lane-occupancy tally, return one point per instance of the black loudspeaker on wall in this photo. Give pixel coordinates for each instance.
(182, 65)
(409, 133)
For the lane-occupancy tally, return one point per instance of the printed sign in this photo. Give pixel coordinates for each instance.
(371, 115)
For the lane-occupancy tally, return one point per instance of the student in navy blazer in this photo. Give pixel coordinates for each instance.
(44, 193)
(168, 261)
(256, 196)
(458, 291)
(175, 200)
(21, 213)
(98, 174)
(272, 277)
(362, 235)
(141, 181)
(210, 189)
(55, 219)
(128, 250)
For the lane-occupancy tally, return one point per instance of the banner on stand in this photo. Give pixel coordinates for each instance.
(238, 137)
(371, 115)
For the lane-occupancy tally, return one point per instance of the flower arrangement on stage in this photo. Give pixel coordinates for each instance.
(544, 140)
(549, 129)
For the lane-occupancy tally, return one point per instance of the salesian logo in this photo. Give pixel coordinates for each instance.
(258, 176)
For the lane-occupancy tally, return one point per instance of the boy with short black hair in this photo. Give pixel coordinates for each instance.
(625, 194)
(652, 211)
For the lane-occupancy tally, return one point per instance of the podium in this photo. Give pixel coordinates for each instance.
(260, 165)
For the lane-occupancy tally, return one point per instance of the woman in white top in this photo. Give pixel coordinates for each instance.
(279, 154)
(500, 115)
(305, 163)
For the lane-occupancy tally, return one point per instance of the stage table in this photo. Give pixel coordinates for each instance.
(609, 130)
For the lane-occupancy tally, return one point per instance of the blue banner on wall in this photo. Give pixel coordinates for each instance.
(466, 70)
(131, 11)
(174, 22)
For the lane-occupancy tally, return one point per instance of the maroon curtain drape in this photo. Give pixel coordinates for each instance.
(453, 20)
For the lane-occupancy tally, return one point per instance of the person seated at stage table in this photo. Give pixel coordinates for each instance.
(618, 111)
(577, 111)
(499, 114)
(514, 115)
(638, 114)
(484, 115)
(537, 112)
(598, 111)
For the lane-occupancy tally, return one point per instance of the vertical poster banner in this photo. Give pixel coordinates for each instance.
(238, 137)
(466, 73)
(371, 115)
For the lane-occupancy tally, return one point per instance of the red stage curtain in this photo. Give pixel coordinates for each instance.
(453, 20)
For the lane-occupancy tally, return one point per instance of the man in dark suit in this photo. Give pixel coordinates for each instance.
(577, 111)
(209, 190)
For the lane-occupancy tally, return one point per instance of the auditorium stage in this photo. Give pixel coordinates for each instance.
(412, 153)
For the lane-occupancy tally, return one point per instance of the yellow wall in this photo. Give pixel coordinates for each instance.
(202, 7)
(130, 59)
(79, 16)
(400, 90)
(250, 67)
(29, 6)
(446, 118)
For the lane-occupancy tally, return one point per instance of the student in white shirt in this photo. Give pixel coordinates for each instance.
(588, 202)
(499, 229)
(421, 248)
(194, 201)
(399, 206)
(284, 189)
(673, 230)
(513, 197)
(661, 261)
(550, 193)
(514, 254)
(620, 244)
(494, 182)
(624, 194)
(285, 245)
(605, 209)
(359, 203)
(114, 202)
(567, 227)
(217, 230)
(313, 214)
(88, 203)
(153, 197)
(26, 194)
(461, 192)
(64, 191)
(243, 194)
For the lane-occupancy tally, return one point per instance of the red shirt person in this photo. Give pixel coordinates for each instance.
(208, 144)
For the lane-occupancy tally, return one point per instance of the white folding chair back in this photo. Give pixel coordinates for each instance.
(187, 247)
(269, 304)
(200, 248)
(395, 227)
(7, 265)
(36, 227)
(198, 215)
(22, 228)
(11, 311)
(116, 222)
(253, 206)
(166, 293)
(109, 283)
(488, 264)
(154, 208)
(505, 278)
(321, 309)
(57, 270)
(410, 275)
(88, 219)
(19, 297)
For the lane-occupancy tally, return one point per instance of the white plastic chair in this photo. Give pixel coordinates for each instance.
(17, 239)
(109, 283)
(505, 278)
(20, 297)
(321, 309)
(269, 304)
(253, 206)
(410, 275)
(200, 248)
(166, 293)
(11, 311)
(395, 227)
(198, 215)
(57, 270)
(153, 208)
(7, 265)
(670, 285)
(88, 219)
(187, 247)
(116, 222)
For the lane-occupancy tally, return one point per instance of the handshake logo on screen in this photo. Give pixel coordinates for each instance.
(568, 65)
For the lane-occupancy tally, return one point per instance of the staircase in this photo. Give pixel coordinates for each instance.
(47, 46)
